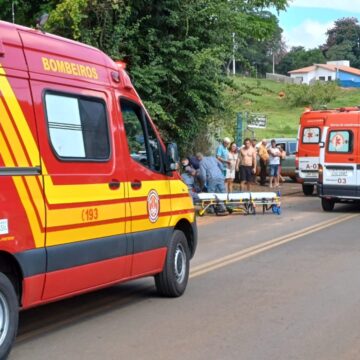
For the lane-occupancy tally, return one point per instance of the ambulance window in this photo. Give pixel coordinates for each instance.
(143, 143)
(77, 127)
(340, 141)
(154, 147)
(311, 135)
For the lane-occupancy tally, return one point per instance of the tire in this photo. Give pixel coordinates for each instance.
(9, 316)
(308, 189)
(251, 209)
(327, 204)
(172, 281)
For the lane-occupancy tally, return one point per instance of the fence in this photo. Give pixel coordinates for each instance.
(283, 78)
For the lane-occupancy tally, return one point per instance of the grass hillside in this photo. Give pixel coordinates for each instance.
(262, 96)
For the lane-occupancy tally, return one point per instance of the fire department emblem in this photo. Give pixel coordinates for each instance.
(153, 206)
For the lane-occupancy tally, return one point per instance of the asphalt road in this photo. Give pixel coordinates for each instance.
(262, 287)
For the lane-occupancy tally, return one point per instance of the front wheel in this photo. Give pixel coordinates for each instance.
(9, 316)
(173, 279)
(327, 204)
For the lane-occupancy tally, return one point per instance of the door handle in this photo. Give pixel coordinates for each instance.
(114, 184)
(351, 159)
(136, 184)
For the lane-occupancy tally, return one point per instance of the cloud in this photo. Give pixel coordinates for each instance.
(309, 34)
(344, 5)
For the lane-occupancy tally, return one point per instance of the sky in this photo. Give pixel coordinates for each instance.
(306, 21)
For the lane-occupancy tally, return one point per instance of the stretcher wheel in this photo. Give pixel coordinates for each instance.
(201, 212)
(251, 209)
(229, 209)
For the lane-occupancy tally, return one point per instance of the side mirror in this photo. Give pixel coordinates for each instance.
(41, 21)
(172, 154)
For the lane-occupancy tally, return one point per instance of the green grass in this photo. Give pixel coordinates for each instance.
(283, 120)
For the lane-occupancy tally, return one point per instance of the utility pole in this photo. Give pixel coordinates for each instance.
(13, 11)
(273, 58)
(233, 60)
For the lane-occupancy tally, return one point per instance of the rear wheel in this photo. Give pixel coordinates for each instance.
(173, 279)
(308, 189)
(9, 315)
(327, 204)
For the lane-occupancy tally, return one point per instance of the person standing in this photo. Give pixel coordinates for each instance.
(264, 158)
(247, 164)
(274, 162)
(253, 144)
(230, 168)
(211, 173)
(222, 153)
(282, 157)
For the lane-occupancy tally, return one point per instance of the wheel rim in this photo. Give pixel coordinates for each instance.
(4, 318)
(180, 263)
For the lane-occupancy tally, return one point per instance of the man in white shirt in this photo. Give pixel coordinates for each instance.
(274, 162)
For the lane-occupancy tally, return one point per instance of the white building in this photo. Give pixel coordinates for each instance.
(323, 72)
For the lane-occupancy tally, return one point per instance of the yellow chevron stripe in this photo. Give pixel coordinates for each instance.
(19, 119)
(20, 187)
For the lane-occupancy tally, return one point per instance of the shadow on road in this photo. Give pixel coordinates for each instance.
(55, 316)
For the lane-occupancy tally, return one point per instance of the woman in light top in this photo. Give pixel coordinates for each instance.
(230, 167)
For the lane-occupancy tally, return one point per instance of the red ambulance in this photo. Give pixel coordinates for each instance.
(88, 192)
(308, 150)
(307, 158)
(339, 169)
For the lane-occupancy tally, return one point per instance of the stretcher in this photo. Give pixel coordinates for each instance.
(243, 202)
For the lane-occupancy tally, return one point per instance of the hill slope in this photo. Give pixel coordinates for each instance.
(283, 120)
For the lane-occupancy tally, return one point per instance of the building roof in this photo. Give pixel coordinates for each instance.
(349, 70)
(313, 67)
(330, 67)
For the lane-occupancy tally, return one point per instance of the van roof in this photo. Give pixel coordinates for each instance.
(49, 43)
(336, 110)
(49, 54)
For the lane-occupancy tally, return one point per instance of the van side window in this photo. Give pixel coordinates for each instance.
(292, 148)
(340, 141)
(311, 135)
(144, 146)
(77, 127)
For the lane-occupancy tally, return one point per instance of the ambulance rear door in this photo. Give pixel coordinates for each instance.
(308, 148)
(340, 176)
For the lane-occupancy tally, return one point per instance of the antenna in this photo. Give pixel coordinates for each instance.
(41, 21)
(13, 11)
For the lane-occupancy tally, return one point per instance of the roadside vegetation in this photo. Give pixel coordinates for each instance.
(282, 104)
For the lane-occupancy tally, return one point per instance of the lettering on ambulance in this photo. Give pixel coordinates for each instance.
(70, 68)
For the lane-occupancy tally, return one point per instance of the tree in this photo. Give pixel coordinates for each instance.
(25, 12)
(256, 55)
(175, 50)
(298, 57)
(343, 41)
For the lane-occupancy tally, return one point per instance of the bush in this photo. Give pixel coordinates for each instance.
(316, 95)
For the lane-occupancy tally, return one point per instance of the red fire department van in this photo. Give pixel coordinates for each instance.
(339, 169)
(88, 194)
(308, 150)
(307, 158)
